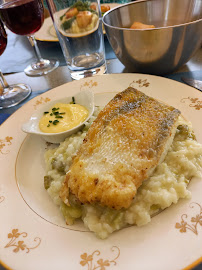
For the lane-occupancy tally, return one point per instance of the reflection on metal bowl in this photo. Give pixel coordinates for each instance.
(176, 37)
(147, 54)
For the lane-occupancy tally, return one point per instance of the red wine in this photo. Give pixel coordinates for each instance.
(23, 17)
(3, 38)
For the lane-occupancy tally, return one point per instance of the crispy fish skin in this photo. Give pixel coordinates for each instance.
(123, 146)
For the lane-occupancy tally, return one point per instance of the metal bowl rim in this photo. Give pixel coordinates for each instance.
(139, 30)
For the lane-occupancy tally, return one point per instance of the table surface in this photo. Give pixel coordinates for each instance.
(20, 47)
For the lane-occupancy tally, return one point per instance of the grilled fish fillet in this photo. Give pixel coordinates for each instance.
(126, 142)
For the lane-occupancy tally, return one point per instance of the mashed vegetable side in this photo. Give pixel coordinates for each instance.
(81, 17)
(62, 117)
(166, 186)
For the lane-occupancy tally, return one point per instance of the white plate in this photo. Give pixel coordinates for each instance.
(33, 234)
(47, 31)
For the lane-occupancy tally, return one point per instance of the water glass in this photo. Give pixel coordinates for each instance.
(79, 28)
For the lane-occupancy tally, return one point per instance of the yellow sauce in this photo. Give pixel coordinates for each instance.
(62, 117)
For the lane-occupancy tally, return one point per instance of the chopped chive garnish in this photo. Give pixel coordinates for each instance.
(62, 113)
(55, 122)
(55, 109)
(50, 121)
(55, 113)
(58, 116)
(45, 112)
(73, 101)
(48, 125)
(51, 114)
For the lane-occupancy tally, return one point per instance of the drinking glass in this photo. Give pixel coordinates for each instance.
(79, 28)
(10, 95)
(25, 17)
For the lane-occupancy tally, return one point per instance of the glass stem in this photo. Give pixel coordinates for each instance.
(33, 42)
(4, 83)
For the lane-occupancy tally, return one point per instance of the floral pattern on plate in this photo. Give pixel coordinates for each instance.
(193, 102)
(5, 142)
(18, 244)
(194, 223)
(92, 263)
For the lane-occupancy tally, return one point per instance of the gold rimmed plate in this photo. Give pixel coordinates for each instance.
(33, 233)
(48, 33)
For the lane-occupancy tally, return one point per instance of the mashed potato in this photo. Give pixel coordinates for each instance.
(75, 29)
(166, 186)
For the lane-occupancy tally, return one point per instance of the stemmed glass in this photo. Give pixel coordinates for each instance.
(25, 17)
(10, 95)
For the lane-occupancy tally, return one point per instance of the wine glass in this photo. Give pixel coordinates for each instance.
(10, 95)
(25, 17)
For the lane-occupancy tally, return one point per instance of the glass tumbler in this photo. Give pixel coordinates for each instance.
(79, 28)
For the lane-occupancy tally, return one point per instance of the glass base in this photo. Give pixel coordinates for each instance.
(14, 94)
(77, 75)
(41, 68)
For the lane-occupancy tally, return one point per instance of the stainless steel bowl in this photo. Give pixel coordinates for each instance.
(177, 36)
